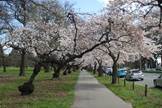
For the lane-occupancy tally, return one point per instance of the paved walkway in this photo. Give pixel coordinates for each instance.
(91, 94)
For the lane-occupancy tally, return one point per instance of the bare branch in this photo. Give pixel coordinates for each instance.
(72, 18)
(148, 11)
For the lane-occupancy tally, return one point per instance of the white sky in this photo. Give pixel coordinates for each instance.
(104, 2)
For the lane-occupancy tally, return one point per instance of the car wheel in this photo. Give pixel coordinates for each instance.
(155, 83)
(142, 79)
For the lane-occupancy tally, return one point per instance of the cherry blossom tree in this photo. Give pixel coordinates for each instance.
(74, 41)
(55, 44)
(127, 38)
(21, 11)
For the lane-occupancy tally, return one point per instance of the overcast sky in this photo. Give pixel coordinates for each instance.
(92, 6)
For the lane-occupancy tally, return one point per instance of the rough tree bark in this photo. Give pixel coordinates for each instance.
(115, 67)
(95, 67)
(65, 71)
(114, 75)
(28, 87)
(161, 60)
(100, 71)
(3, 58)
(23, 20)
(69, 70)
(46, 67)
(22, 64)
(56, 73)
(4, 63)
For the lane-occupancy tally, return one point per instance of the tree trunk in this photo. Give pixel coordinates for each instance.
(99, 70)
(94, 72)
(22, 64)
(36, 70)
(56, 74)
(65, 71)
(114, 74)
(3, 58)
(28, 87)
(100, 73)
(46, 67)
(94, 69)
(4, 68)
(3, 63)
(69, 70)
(161, 60)
(140, 63)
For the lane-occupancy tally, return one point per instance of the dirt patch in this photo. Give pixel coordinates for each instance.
(60, 94)
(7, 79)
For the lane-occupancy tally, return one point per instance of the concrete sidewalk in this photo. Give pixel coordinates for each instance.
(91, 94)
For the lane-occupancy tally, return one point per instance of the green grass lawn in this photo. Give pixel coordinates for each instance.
(153, 71)
(135, 97)
(48, 93)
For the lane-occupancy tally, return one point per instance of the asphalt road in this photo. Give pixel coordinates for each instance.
(148, 79)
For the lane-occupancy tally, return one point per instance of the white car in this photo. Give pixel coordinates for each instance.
(158, 81)
(107, 70)
(134, 74)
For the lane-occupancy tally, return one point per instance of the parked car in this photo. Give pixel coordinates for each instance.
(158, 81)
(134, 74)
(107, 70)
(121, 72)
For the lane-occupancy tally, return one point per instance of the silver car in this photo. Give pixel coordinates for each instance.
(158, 81)
(107, 70)
(134, 74)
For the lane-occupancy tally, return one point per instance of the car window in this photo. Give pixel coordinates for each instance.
(135, 71)
(129, 72)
